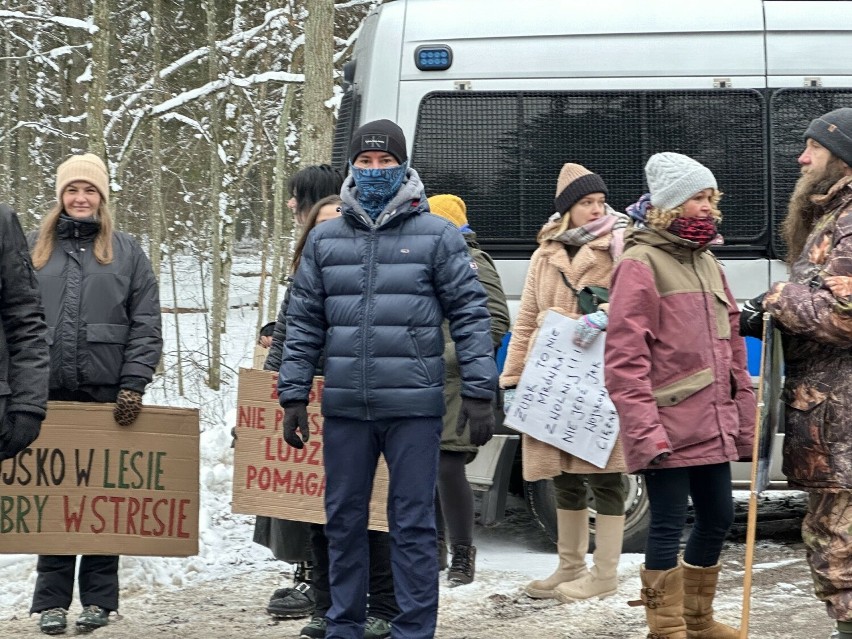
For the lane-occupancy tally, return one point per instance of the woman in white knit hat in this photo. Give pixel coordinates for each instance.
(577, 247)
(675, 368)
(102, 307)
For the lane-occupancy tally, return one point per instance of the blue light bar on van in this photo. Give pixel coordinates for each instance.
(430, 57)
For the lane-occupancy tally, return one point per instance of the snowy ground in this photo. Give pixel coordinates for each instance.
(222, 592)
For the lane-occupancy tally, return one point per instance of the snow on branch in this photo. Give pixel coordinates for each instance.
(222, 83)
(193, 56)
(353, 3)
(72, 23)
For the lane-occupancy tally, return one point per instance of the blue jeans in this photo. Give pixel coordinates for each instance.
(712, 500)
(351, 451)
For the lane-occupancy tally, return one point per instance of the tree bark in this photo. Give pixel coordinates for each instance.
(6, 186)
(282, 229)
(219, 294)
(155, 215)
(97, 87)
(317, 118)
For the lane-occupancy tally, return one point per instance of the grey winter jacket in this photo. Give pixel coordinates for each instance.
(24, 359)
(374, 296)
(103, 319)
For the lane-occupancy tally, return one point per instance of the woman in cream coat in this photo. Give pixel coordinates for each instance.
(578, 247)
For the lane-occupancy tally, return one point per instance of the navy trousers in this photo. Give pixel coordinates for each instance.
(351, 451)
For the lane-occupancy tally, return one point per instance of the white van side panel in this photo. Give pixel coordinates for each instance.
(810, 39)
(611, 38)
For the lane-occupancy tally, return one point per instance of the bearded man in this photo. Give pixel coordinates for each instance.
(814, 312)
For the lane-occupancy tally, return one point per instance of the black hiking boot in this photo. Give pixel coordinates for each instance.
(315, 629)
(377, 628)
(463, 565)
(92, 618)
(298, 601)
(53, 621)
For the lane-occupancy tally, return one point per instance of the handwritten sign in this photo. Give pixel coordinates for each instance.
(274, 479)
(561, 399)
(90, 486)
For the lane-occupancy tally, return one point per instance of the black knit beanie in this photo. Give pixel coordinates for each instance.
(834, 131)
(379, 135)
(575, 182)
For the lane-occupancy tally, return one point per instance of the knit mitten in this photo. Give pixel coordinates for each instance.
(128, 405)
(589, 327)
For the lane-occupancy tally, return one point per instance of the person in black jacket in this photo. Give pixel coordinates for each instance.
(372, 291)
(290, 541)
(102, 307)
(23, 345)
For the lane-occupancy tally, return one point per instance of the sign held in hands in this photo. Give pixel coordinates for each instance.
(561, 399)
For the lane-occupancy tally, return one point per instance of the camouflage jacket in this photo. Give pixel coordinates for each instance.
(817, 328)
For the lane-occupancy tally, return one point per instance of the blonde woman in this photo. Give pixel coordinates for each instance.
(577, 248)
(102, 307)
(675, 369)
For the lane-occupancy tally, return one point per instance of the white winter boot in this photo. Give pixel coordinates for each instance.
(572, 545)
(602, 580)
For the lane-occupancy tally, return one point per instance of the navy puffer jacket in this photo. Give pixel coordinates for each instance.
(374, 295)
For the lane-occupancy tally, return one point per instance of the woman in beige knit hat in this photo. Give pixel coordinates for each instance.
(102, 306)
(577, 248)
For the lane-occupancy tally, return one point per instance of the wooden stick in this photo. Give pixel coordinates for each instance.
(751, 531)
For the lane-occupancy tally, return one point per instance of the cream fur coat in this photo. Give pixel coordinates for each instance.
(544, 290)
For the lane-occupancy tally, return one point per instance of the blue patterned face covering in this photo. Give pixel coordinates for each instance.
(376, 187)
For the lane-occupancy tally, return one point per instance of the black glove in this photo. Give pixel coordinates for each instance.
(480, 415)
(751, 317)
(18, 431)
(128, 405)
(296, 418)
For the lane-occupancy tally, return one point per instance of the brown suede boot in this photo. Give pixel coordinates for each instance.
(572, 544)
(602, 580)
(699, 589)
(662, 596)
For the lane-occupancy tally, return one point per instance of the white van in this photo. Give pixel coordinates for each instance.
(495, 96)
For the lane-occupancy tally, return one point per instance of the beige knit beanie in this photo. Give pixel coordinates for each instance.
(88, 168)
(575, 181)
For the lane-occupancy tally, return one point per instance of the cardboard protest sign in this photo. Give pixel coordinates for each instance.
(90, 486)
(561, 399)
(274, 479)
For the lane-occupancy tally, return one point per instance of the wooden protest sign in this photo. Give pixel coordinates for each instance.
(561, 399)
(766, 424)
(274, 479)
(90, 486)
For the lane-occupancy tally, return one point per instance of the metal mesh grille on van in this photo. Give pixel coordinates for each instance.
(791, 111)
(502, 152)
(347, 118)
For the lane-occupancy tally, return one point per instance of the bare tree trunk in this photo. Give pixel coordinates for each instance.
(26, 185)
(6, 186)
(317, 118)
(282, 226)
(176, 315)
(97, 89)
(155, 216)
(260, 142)
(74, 91)
(219, 302)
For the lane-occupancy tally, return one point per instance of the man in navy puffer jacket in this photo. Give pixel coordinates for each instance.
(371, 292)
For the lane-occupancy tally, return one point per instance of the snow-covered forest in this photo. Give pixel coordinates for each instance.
(201, 109)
